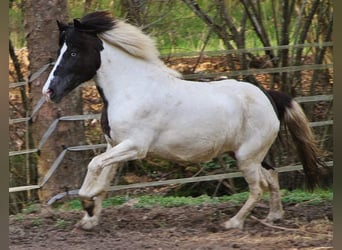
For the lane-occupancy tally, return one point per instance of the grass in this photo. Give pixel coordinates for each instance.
(148, 201)
(299, 196)
(62, 224)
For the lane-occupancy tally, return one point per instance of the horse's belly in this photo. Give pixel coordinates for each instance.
(191, 149)
(181, 155)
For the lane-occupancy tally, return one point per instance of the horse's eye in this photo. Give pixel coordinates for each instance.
(73, 54)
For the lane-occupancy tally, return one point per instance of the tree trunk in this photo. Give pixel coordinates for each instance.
(42, 42)
(287, 9)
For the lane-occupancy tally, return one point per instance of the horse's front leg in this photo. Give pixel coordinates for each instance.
(92, 205)
(101, 171)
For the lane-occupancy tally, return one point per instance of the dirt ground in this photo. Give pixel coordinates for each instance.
(305, 226)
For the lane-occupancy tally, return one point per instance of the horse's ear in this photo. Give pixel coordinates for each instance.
(77, 24)
(61, 26)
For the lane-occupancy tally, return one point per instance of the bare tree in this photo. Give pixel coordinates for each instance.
(135, 11)
(42, 41)
(291, 21)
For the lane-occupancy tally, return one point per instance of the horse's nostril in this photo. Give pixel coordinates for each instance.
(49, 92)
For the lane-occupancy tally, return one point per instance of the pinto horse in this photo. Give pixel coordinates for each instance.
(150, 109)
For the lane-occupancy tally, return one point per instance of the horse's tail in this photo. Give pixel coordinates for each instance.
(294, 119)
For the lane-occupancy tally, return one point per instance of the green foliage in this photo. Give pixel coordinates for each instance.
(62, 224)
(37, 222)
(238, 198)
(74, 204)
(148, 201)
(174, 26)
(296, 196)
(316, 197)
(31, 208)
(17, 159)
(19, 217)
(114, 201)
(15, 24)
(215, 164)
(171, 201)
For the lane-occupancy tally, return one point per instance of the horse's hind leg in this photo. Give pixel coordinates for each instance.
(256, 182)
(259, 180)
(276, 209)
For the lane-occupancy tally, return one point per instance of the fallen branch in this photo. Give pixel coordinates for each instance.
(288, 229)
(273, 226)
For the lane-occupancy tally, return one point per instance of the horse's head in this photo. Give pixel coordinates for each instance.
(79, 54)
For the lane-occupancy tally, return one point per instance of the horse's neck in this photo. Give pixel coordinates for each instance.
(116, 65)
(120, 70)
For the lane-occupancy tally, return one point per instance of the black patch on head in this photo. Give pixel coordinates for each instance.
(82, 58)
(104, 115)
(280, 100)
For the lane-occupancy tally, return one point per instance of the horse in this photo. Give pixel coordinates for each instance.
(148, 109)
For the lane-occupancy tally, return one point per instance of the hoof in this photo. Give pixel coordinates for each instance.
(87, 223)
(274, 217)
(232, 224)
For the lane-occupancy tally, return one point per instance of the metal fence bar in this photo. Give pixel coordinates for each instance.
(33, 77)
(60, 158)
(23, 188)
(16, 84)
(22, 152)
(54, 124)
(34, 111)
(202, 178)
(321, 123)
(247, 50)
(314, 98)
(55, 165)
(74, 193)
(259, 71)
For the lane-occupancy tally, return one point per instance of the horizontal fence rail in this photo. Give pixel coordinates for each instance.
(259, 71)
(215, 177)
(54, 124)
(248, 50)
